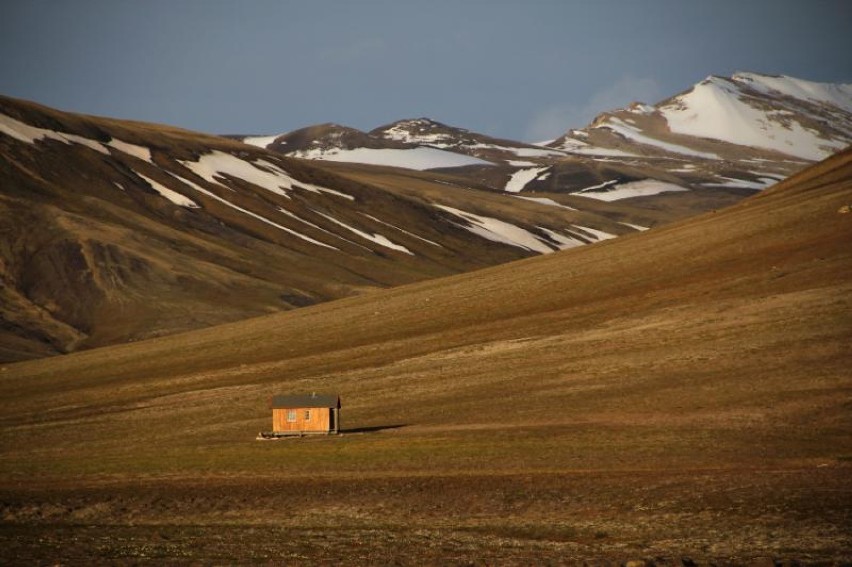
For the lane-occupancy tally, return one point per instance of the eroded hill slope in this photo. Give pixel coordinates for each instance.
(116, 231)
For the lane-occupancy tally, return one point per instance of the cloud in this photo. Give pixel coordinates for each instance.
(553, 121)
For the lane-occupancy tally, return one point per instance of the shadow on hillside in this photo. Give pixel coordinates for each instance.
(372, 429)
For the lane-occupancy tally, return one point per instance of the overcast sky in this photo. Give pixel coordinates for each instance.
(520, 69)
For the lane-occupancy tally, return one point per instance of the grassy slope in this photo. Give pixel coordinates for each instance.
(681, 391)
(84, 264)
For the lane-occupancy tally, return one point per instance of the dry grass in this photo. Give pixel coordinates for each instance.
(680, 394)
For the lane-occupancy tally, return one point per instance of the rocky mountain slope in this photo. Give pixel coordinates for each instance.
(723, 137)
(746, 131)
(116, 231)
(414, 144)
(721, 117)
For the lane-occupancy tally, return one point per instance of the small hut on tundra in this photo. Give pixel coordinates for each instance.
(305, 414)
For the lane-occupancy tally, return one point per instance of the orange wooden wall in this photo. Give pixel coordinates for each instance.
(319, 420)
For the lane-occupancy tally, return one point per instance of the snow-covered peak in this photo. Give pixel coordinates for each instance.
(835, 94)
(420, 131)
(775, 113)
(422, 123)
(720, 118)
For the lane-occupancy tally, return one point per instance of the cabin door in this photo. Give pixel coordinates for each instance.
(331, 415)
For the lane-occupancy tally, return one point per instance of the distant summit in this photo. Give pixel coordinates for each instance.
(122, 231)
(415, 143)
(726, 118)
(739, 133)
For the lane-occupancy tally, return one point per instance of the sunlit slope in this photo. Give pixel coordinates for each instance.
(116, 231)
(736, 322)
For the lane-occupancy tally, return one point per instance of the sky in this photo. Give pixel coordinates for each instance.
(519, 69)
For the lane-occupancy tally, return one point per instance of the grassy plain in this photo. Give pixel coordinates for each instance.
(677, 396)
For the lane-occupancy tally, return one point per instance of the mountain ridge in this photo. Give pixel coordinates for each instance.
(146, 230)
(798, 118)
(723, 132)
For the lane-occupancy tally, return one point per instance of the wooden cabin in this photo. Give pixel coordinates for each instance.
(305, 414)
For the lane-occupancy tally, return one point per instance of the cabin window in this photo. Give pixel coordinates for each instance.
(291, 415)
(307, 415)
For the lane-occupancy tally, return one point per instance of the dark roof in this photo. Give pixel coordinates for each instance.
(305, 401)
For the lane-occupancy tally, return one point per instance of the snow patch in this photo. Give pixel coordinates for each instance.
(599, 186)
(262, 219)
(521, 178)
(23, 132)
(619, 127)
(301, 184)
(377, 238)
(400, 133)
(545, 201)
(641, 108)
(731, 182)
(838, 95)
(688, 168)
(596, 234)
(213, 167)
(294, 216)
(95, 145)
(574, 146)
(643, 188)
(169, 194)
(371, 217)
(421, 158)
(261, 141)
(496, 230)
(534, 152)
(563, 242)
(141, 152)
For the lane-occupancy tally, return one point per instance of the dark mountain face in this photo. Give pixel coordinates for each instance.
(117, 231)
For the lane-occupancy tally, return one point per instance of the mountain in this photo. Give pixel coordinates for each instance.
(677, 396)
(117, 230)
(746, 131)
(414, 144)
(720, 140)
(720, 118)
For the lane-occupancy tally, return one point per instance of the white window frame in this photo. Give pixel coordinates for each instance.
(291, 415)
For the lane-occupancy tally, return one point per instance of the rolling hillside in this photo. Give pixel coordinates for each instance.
(116, 231)
(675, 396)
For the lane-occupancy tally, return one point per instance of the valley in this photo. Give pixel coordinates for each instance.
(671, 396)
